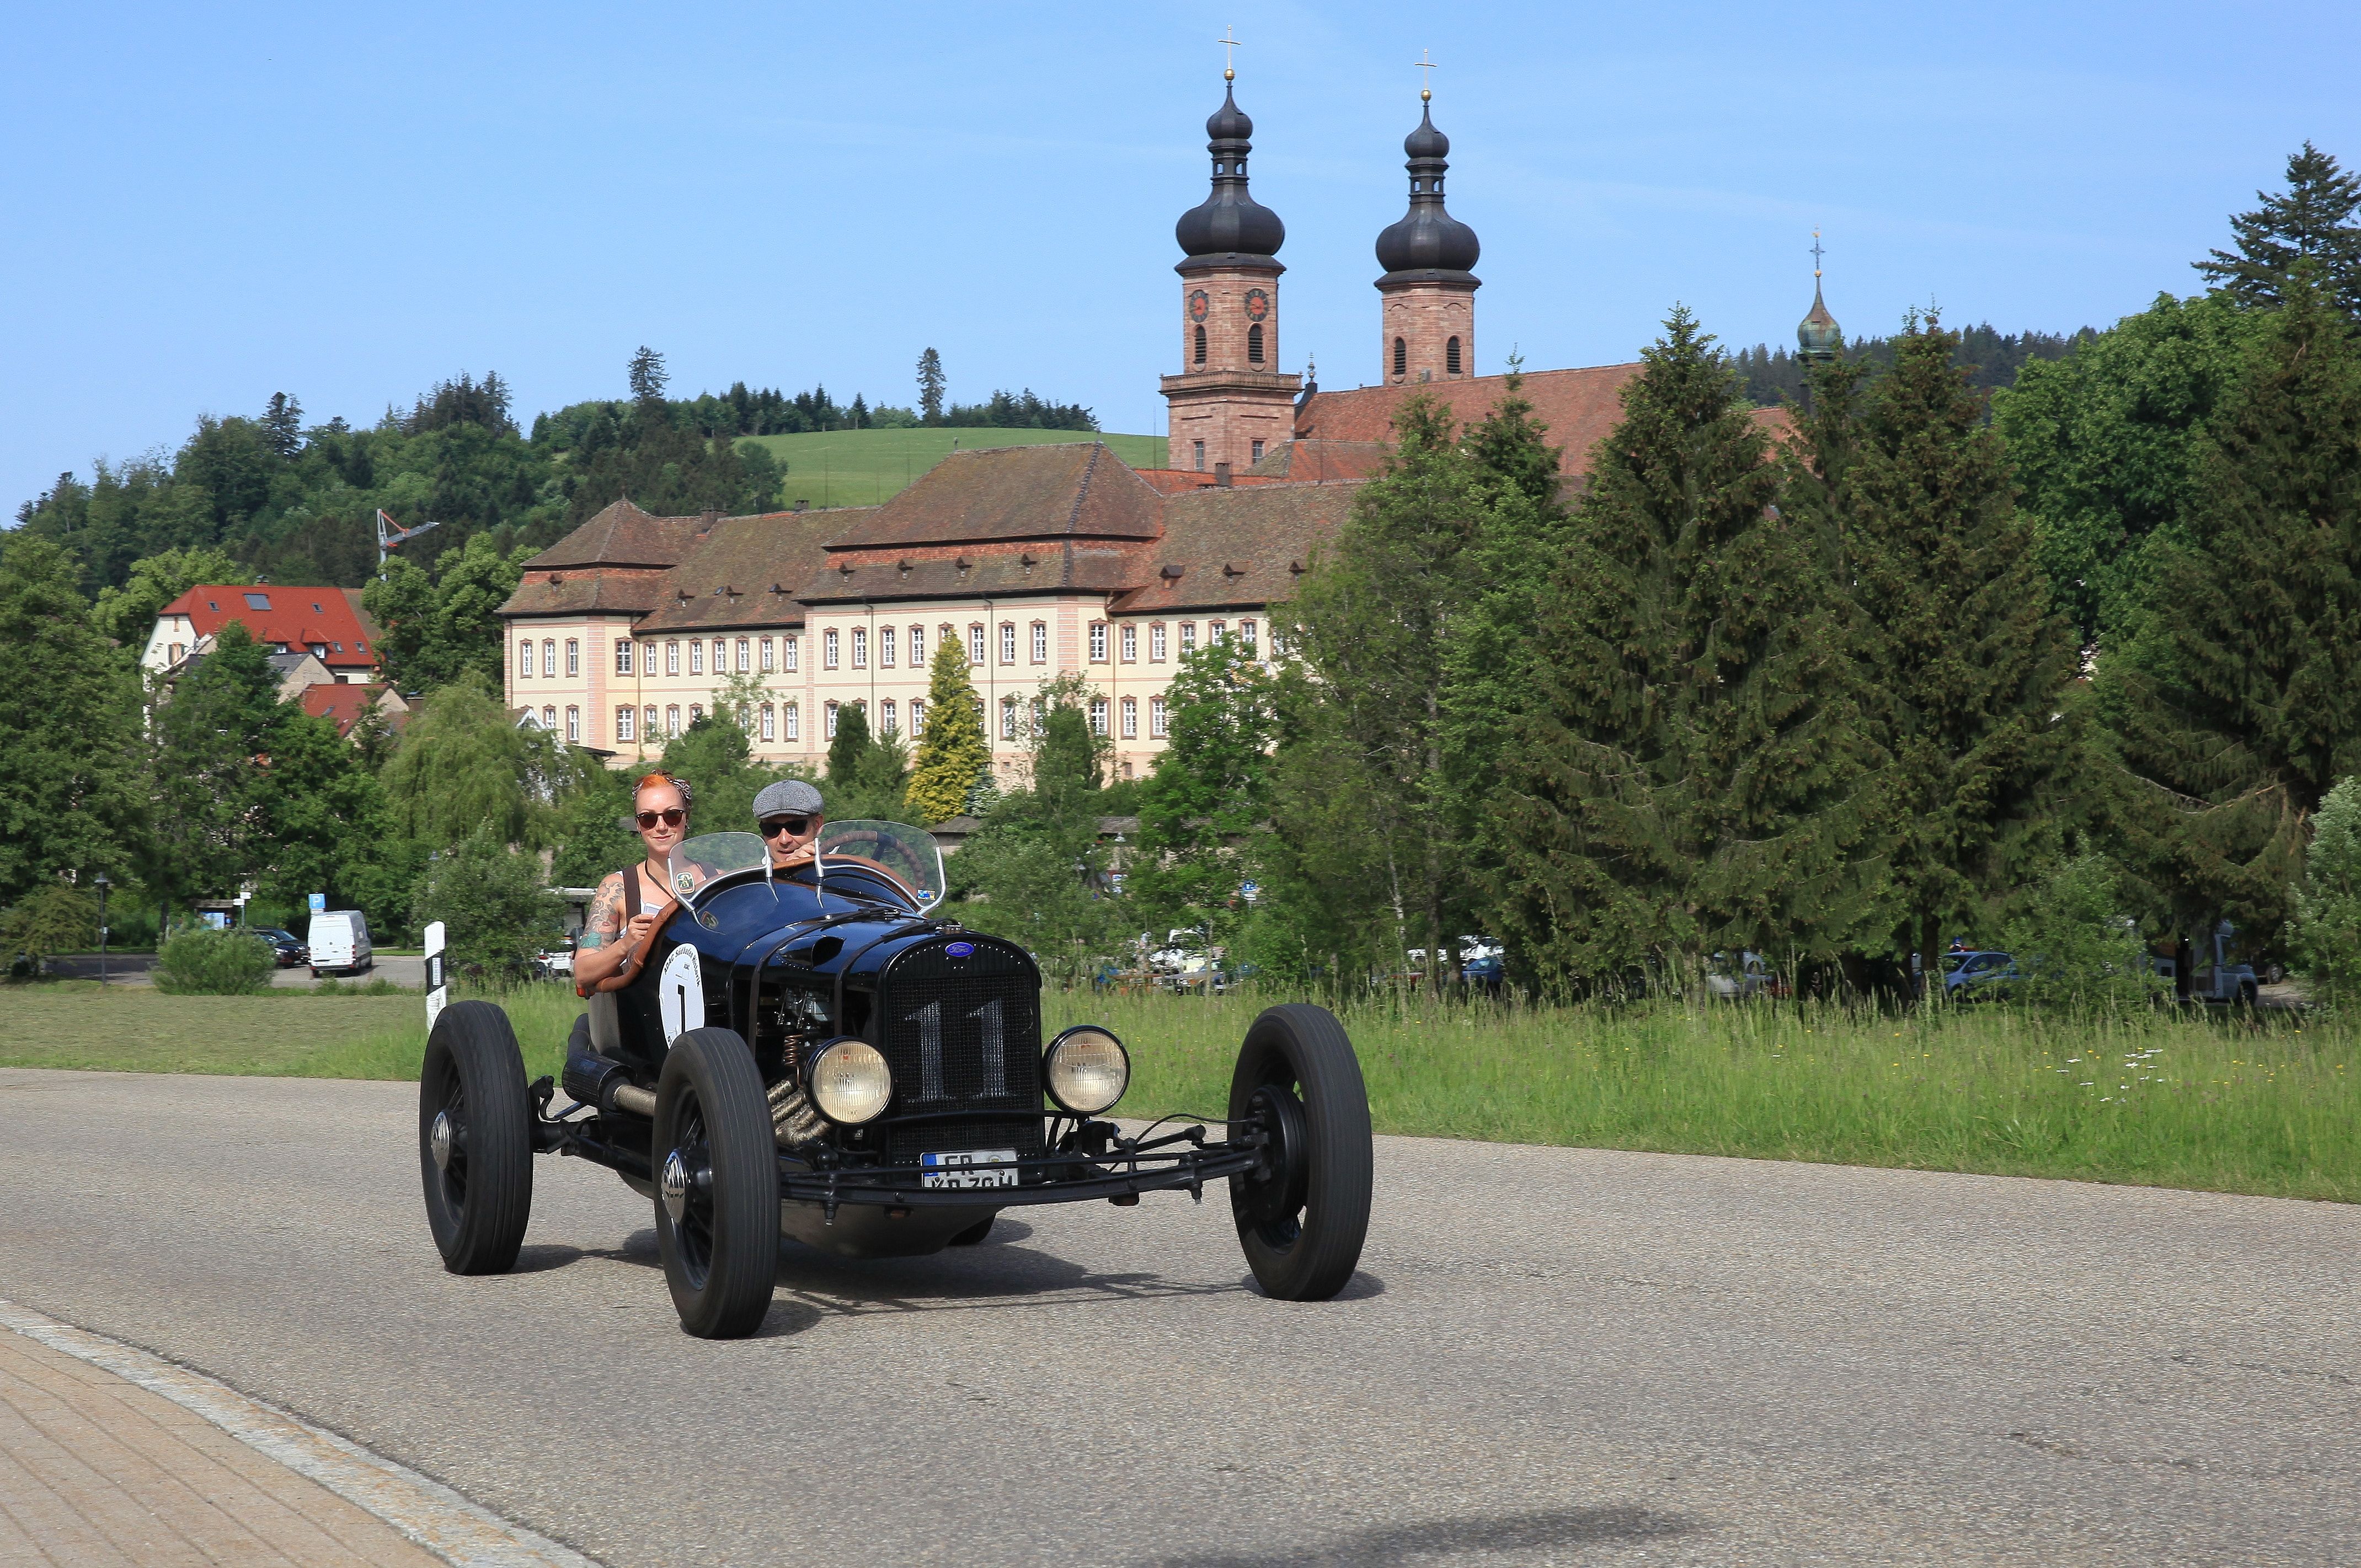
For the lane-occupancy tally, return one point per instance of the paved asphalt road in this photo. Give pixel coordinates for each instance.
(1553, 1355)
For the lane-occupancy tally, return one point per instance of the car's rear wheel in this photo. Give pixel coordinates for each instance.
(1303, 1211)
(475, 1139)
(717, 1180)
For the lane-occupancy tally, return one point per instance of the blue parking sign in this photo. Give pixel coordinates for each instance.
(318, 903)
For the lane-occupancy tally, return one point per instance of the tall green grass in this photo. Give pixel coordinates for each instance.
(2215, 1101)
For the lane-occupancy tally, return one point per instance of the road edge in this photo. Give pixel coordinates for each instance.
(437, 1518)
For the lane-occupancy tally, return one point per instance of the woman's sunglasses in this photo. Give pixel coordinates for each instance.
(670, 817)
(792, 825)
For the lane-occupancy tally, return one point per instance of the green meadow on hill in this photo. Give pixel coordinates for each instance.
(861, 468)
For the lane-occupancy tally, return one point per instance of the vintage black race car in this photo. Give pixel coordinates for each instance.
(817, 1053)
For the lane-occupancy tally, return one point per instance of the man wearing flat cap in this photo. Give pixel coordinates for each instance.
(789, 815)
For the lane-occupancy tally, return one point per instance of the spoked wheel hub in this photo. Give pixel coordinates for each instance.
(447, 1140)
(1275, 1194)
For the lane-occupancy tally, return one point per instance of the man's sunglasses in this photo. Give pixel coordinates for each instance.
(796, 826)
(672, 817)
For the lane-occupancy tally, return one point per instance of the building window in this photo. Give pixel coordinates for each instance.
(1130, 643)
(1214, 631)
(769, 654)
(548, 656)
(622, 656)
(827, 649)
(1008, 719)
(1451, 357)
(1158, 726)
(696, 656)
(1257, 451)
(574, 655)
(1041, 642)
(648, 657)
(860, 647)
(695, 711)
(1199, 448)
(1098, 642)
(549, 719)
(524, 659)
(1188, 638)
(1253, 344)
(672, 718)
(1008, 642)
(769, 721)
(623, 717)
(1098, 716)
(795, 721)
(1247, 636)
(888, 640)
(1155, 644)
(1401, 357)
(1201, 345)
(827, 721)
(795, 655)
(975, 642)
(918, 716)
(671, 658)
(743, 663)
(918, 654)
(886, 721)
(574, 726)
(1131, 719)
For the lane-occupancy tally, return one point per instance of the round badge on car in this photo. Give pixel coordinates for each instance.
(961, 950)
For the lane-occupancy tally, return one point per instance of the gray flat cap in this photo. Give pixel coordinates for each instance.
(788, 797)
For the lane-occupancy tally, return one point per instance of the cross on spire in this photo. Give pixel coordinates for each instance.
(1229, 60)
(1427, 89)
(1816, 253)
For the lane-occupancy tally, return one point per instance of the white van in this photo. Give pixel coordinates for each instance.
(339, 939)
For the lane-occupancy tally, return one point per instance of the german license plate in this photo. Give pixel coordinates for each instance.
(960, 1169)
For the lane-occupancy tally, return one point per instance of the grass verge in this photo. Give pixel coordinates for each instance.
(2212, 1101)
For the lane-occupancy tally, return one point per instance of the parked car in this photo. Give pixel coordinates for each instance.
(291, 950)
(1978, 976)
(555, 963)
(1742, 977)
(821, 1053)
(339, 943)
(2216, 977)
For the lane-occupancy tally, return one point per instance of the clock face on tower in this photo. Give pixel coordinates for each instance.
(1258, 304)
(1197, 305)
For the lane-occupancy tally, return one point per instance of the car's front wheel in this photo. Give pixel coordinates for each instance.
(1303, 1211)
(475, 1139)
(717, 1180)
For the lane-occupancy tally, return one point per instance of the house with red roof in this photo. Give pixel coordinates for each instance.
(326, 623)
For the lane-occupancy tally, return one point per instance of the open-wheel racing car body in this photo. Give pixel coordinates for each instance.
(816, 1052)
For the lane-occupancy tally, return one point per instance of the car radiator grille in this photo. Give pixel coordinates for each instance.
(963, 1035)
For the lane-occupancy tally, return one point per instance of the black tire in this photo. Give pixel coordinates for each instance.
(1304, 1214)
(722, 1253)
(479, 1173)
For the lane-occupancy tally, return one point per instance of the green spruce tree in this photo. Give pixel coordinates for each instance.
(1680, 774)
(2312, 220)
(1203, 813)
(2234, 715)
(1966, 663)
(952, 752)
(848, 747)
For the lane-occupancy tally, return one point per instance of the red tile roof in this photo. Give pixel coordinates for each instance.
(1323, 461)
(1180, 481)
(1078, 489)
(745, 571)
(341, 704)
(623, 535)
(318, 618)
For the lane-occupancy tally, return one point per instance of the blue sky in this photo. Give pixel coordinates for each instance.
(205, 205)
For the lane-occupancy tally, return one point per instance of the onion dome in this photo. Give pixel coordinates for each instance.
(1818, 336)
(1229, 225)
(1427, 242)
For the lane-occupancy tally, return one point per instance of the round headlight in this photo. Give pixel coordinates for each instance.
(850, 1081)
(1087, 1071)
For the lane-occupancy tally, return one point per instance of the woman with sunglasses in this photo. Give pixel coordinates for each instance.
(631, 902)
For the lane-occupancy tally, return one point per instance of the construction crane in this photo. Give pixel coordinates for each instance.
(391, 535)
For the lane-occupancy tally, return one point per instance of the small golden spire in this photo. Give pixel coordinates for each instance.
(1229, 63)
(1426, 92)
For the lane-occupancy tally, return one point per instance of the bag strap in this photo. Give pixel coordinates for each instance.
(631, 891)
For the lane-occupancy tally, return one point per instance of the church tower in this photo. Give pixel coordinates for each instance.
(1231, 402)
(1819, 339)
(1428, 294)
